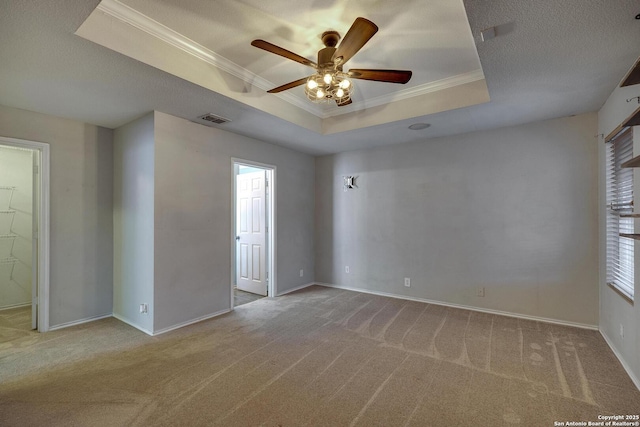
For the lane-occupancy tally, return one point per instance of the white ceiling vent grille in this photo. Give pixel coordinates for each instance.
(212, 118)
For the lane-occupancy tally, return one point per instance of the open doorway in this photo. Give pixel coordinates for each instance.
(254, 226)
(23, 235)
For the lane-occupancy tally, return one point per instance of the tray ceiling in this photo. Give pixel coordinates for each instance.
(209, 44)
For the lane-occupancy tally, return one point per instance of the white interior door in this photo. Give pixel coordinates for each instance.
(251, 233)
(34, 240)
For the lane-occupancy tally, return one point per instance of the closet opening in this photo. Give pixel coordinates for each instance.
(253, 236)
(24, 228)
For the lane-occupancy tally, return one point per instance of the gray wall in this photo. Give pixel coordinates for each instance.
(133, 221)
(193, 224)
(512, 210)
(614, 310)
(81, 244)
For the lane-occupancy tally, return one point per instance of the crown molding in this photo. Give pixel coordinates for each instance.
(127, 14)
(424, 89)
(138, 20)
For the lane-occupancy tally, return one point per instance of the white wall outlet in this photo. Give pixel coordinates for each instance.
(346, 269)
(621, 330)
(144, 308)
(301, 273)
(480, 291)
(407, 282)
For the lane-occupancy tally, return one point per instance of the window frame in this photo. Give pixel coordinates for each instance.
(620, 250)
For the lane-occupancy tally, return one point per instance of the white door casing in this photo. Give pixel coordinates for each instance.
(251, 236)
(34, 240)
(43, 225)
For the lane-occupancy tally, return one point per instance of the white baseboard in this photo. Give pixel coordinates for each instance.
(191, 322)
(11, 307)
(465, 307)
(297, 288)
(79, 322)
(626, 367)
(132, 324)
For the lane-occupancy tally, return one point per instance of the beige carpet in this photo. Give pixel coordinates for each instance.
(319, 356)
(14, 319)
(242, 297)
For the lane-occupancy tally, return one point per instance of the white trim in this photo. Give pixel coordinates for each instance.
(273, 232)
(190, 322)
(155, 29)
(142, 22)
(400, 95)
(43, 225)
(11, 307)
(297, 288)
(466, 307)
(132, 324)
(80, 322)
(626, 367)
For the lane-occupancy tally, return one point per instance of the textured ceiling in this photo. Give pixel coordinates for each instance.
(550, 59)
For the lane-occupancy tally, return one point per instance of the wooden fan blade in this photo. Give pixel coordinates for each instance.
(389, 76)
(342, 104)
(270, 47)
(288, 85)
(357, 36)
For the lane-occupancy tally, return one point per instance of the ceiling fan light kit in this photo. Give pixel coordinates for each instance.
(330, 83)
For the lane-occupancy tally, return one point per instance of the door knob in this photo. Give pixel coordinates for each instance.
(237, 237)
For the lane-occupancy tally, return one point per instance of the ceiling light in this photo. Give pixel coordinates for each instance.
(419, 126)
(329, 85)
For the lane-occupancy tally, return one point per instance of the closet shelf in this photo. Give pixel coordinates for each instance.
(632, 163)
(630, 236)
(8, 236)
(7, 212)
(7, 188)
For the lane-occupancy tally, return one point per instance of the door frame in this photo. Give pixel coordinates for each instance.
(270, 220)
(43, 225)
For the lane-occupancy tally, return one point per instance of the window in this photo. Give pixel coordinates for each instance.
(620, 218)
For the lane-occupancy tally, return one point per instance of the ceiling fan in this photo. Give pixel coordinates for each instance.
(330, 82)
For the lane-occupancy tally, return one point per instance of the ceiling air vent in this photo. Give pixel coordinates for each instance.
(212, 118)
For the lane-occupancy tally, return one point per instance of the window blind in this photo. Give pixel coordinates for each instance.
(620, 257)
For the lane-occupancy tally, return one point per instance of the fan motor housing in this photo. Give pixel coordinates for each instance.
(325, 57)
(330, 38)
